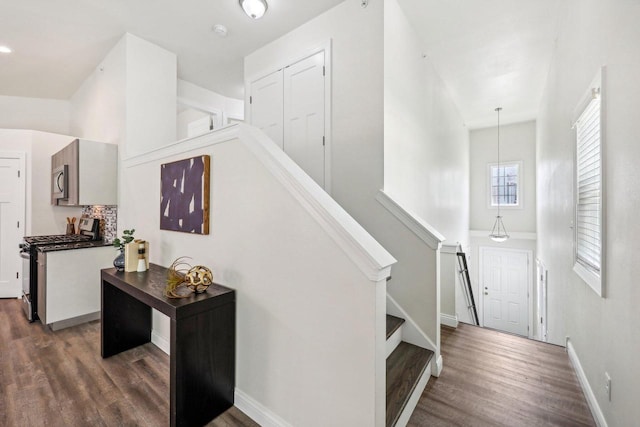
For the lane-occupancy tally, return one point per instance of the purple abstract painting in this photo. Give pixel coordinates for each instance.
(184, 195)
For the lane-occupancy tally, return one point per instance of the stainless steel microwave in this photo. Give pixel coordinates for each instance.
(60, 182)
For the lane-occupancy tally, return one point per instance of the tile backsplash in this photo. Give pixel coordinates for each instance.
(109, 220)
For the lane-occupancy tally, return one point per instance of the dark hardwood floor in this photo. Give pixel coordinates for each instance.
(60, 379)
(496, 379)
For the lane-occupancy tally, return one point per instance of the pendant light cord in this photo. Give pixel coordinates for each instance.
(498, 110)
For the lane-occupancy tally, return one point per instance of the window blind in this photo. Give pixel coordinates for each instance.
(589, 188)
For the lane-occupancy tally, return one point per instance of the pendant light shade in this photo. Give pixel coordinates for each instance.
(498, 232)
(254, 8)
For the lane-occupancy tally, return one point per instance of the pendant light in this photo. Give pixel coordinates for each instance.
(254, 8)
(498, 232)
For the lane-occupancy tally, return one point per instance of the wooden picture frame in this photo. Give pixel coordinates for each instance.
(184, 195)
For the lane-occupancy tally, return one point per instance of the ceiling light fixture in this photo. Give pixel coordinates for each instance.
(498, 232)
(5, 49)
(254, 8)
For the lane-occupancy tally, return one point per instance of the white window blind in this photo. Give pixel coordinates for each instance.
(589, 188)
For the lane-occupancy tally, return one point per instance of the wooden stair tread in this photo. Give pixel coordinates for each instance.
(393, 323)
(405, 366)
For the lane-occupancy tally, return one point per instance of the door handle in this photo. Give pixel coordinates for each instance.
(486, 293)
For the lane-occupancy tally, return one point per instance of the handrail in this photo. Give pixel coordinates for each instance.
(417, 225)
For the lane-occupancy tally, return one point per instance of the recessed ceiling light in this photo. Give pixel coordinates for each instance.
(254, 8)
(220, 30)
(5, 49)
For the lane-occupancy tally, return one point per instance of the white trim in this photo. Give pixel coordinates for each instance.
(419, 227)
(393, 341)
(598, 416)
(480, 303)
(449, 320)
(21, 157)
(160, 342)
(437, 370)
(411, 332)
(325, 46)
(520, 235)
(451, 249)
(408, 409)
(216, 136)
(257, 412)
(595, 281)
(519, 194)
(371, 258)
(220, 116)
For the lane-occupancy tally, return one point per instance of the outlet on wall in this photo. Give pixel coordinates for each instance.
(607, 385)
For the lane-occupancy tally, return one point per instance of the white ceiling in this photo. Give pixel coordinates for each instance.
(489, 53)
(58, 43)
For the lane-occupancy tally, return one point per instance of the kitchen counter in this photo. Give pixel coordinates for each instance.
(75, 245)
(69, 282)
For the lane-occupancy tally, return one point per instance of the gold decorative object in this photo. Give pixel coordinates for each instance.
(181, 274)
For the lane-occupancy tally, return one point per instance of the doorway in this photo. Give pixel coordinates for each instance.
(292, 106)
(12, 213)
(505, 289)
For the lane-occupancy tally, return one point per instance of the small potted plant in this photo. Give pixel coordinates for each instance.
(119, 243)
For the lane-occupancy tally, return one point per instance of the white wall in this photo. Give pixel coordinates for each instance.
(307, 318)
(356, 35)
(98, 108)
(196, 96)
(517, 143)
(426, 145)
(47, 115)
(150, 96)
(41, 216)
(130, 99)
(426, 150)
(602, 330)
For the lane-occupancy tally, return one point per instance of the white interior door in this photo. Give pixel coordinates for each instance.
(266, 106)
(304, 118)
(12, 199)
(504, 283)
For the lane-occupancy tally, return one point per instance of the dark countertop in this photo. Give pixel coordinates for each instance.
(74, 245)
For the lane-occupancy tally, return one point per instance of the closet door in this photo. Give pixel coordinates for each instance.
(266, 106)
(304, 117)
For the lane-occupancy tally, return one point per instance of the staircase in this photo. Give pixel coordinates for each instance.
(408, 371)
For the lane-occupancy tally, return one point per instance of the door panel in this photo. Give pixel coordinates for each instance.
(304, 119)
(266, 106)
(504, 282)
(11, 199)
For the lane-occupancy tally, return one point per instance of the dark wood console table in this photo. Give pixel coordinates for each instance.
(202, 360)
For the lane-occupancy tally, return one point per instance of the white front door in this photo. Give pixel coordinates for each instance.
(12, 199)
(504, 286)
(266, 106)
(304, 115)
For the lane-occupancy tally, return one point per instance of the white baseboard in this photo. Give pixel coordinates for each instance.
(414, 398)
(257, 412)
(160, 342)
(598, 416)
(437, 367)
(449, 320)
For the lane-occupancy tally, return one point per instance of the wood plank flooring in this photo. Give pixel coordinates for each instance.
(60, 379)
(494, 379)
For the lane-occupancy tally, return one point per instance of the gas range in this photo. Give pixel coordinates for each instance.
(52, 239)
(29, 252)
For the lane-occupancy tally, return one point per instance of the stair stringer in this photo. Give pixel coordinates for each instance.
(412, 334)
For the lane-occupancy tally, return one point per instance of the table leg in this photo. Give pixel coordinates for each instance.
(125, 321)
(202, 366)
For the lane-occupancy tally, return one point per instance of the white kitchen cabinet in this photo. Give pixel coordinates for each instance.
(69, 285)
(92, 169)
